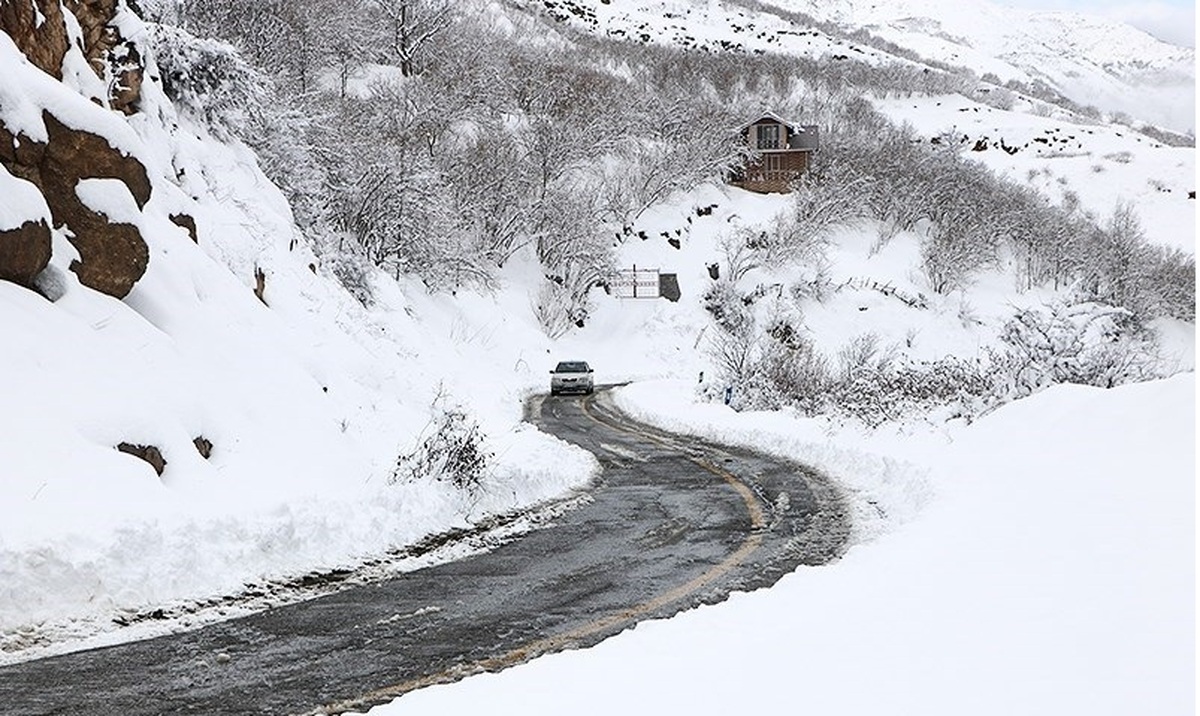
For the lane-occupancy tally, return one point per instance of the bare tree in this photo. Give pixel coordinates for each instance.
(411, 24)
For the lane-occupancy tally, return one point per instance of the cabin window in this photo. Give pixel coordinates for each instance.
(768, 136)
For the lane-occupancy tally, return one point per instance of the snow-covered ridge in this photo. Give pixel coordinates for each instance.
(1000, 30)
(1114, 46)
(1090, 60)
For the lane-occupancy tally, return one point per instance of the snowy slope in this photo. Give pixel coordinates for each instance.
(1092, 61)
(1098, 62)
(1100, 165)
(306, 398)
(714, 26)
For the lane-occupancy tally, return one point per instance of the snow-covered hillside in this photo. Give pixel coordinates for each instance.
(1099, 165)
(278, 419)
(1091, 61)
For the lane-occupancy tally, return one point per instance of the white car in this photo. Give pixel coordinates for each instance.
(571, 376)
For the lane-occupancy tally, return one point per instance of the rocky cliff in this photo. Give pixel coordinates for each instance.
(81, 44)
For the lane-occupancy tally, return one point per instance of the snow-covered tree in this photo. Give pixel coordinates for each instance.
(409, 27)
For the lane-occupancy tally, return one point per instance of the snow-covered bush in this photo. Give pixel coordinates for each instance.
(1120, 268)
(1088, 343)
(952, 254)
(207, 79)
(822, 200)
(557, 308)
(897, 389)
(353, 272)
(863, 354)
(767, 372)
(789, 370)
(452, 450)
(1170, 283)
(872, 384)
(728, 309)
(734, 355)
(1001, 98)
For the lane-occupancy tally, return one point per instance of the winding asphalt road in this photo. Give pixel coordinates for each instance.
(672, 523)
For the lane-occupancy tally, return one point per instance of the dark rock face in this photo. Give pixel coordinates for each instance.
(76, 154)
(204, 446)
(109, 54)
(113, 256)
(99, 38)
(21, 156)
(149, 453)
(39, 30)
(24, 252)
(42, 39)
(186, 222)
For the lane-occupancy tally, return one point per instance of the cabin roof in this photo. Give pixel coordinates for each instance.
(774, 117)
(800, 136)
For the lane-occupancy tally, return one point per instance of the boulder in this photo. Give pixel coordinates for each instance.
(149, 453)
(24, 252)
(75, 154)
(112, 256)
(187, 223)
(204, 446)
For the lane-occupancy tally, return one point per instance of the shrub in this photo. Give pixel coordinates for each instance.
(208, 79)
(883, 389)
(1088, 344)
(454, 451)
(728, 309)
(790, 372)
(353, 272)
(560, 305)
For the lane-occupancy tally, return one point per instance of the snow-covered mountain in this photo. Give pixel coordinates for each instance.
(1090, 60)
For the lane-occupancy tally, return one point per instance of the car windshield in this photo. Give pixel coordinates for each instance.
(571, 367)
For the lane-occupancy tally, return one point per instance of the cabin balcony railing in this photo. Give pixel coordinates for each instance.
(770, 175)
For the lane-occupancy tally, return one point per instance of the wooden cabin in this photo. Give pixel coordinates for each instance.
(782, 151)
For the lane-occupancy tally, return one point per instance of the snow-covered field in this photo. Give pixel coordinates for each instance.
(1053, 573)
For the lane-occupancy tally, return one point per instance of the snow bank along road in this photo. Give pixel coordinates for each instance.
(671, 523)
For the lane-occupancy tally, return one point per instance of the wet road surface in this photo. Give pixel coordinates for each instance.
(672, 523)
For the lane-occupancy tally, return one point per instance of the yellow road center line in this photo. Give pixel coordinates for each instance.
(559, 642)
